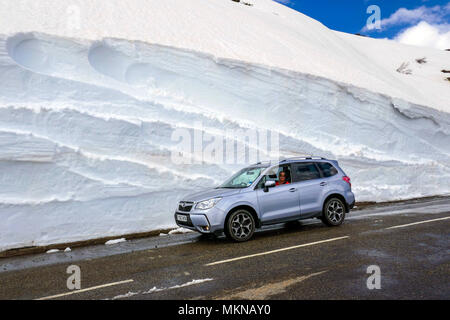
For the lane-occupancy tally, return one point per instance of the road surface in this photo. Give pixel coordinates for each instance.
(409, 243)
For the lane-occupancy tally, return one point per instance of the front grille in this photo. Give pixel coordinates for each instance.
(185, 206)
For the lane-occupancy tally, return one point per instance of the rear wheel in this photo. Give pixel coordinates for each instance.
(333, 212)
(240, 226)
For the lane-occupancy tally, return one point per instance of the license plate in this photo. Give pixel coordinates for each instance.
(181, 218)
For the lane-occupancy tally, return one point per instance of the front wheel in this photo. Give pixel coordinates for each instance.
(240, 226)
(333, 212)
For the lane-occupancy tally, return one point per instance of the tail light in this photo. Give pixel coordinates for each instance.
(347, 179)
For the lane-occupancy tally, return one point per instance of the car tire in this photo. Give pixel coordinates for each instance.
(333, 213)
(240, 226)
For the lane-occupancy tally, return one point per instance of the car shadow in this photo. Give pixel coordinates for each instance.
(269, 231)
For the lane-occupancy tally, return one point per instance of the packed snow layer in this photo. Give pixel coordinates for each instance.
(266, 33)
(86, 133)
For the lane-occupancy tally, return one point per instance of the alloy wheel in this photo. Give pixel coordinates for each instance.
(241, 225)
(335, 211)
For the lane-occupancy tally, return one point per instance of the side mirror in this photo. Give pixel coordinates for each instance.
(269, 184)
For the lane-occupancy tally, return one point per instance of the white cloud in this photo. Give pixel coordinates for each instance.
(404, 16)
(425, 34)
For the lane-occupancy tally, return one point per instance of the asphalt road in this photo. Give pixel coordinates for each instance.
(409, 242)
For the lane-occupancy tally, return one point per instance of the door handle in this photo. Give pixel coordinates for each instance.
(292, 189)
(323, 184)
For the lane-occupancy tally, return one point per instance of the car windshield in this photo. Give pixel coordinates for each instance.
(243, 179)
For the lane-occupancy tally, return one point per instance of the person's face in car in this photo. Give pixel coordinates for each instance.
(282, 178)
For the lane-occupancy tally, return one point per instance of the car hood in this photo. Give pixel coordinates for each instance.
(210, 193)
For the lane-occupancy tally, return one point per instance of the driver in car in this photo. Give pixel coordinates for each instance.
(281, 179)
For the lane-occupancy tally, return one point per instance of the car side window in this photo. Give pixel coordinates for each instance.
(274, 174)
(267, 177)
(261, 183)
(327, 169)
(305, 171)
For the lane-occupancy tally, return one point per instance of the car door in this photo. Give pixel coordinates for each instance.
(278, 203)
(310, 187)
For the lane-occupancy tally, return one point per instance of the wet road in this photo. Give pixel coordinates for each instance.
(409, 242)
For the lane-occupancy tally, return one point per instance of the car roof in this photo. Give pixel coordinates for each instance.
(293, 160)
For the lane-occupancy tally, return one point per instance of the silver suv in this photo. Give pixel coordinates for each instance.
(270, 193)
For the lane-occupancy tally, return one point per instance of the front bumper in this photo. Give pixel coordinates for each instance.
(203, 221)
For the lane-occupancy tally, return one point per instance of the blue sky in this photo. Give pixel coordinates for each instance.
(397, 16)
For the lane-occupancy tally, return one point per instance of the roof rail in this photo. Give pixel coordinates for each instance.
(270, 162)
(304, 158)
(261, 162)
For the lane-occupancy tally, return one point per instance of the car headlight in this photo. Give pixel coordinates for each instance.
(207, 204)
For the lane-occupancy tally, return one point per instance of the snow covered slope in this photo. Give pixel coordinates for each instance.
(87, 110)
(266, 33)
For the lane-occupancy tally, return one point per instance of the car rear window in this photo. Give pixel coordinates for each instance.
(327, 169)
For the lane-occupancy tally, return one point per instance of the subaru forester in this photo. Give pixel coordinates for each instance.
(270, 193)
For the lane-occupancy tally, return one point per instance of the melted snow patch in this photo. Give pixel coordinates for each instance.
(115, 241)
(53, 251)
(180, 231)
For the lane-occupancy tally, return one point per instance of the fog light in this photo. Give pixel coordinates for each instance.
(206, 228)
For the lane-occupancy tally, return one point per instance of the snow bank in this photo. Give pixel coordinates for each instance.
(86, 121)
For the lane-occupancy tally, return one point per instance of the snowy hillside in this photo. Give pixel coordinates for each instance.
(91, 93)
